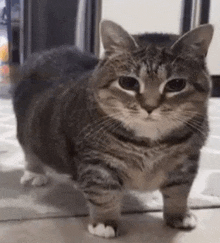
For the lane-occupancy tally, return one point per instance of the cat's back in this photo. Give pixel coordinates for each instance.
(45, 71)
(58, 62)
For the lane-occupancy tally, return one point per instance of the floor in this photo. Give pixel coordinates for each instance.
(147, 227)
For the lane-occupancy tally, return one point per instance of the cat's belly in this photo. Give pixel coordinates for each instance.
(145, 181)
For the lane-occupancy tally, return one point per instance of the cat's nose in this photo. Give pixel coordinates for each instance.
(150, 100)
(150, 109)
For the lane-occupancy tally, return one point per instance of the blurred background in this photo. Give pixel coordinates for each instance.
(28, 26)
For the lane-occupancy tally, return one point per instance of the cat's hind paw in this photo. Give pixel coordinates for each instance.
(188, 222)
(103, 230)
(33, 179)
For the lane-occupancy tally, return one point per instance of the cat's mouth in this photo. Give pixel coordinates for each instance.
(150, 119)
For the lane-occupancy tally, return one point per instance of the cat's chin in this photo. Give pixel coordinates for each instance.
(150, 133)
(150, 129)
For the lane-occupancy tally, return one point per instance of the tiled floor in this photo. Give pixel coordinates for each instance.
(136, 228)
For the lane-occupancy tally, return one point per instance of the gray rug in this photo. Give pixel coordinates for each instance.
(60, 199)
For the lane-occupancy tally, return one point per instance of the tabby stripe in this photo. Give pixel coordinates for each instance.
(101, 186)
(199, 88)
(125, 139)
(97, 204)
(91, 178)
(116, 172)
(165, 196)
(126, 145)
(193, 168)
(175, 139)
(136, 162)
(106, 166)
(93, 193)
(176, 183)
(194, 157)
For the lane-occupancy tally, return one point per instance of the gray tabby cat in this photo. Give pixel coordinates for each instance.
(136, 120)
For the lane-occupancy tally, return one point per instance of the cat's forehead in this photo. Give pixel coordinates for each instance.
(143, 62)
(154, 62)
(154, 71)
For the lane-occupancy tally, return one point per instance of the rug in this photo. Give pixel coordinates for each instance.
(60, 199)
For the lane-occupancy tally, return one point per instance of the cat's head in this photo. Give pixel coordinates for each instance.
(153, 90)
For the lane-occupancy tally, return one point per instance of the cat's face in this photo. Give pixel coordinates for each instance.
(152, 91)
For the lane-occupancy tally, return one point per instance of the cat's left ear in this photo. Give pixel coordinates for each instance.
(199, 39)
(115, 37)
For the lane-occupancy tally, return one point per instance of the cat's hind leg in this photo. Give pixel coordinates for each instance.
(34, 173)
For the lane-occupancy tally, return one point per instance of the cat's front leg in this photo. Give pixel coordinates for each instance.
(103, 194)
(175, 196)
(105, 212)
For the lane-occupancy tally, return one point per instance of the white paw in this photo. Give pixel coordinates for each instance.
(33, 179)
(187, 222)
(102, 230)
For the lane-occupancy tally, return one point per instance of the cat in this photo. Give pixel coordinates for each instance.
(134, 120)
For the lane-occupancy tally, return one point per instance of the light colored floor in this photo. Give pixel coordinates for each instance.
(135, 228)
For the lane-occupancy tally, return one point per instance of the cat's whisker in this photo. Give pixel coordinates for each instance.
(92, 108)
(102, 128)
(108, 122)
(101, 139)
(191, 124)
(194, 126)
(195, 123)
(196, 118)
(99, 120)
(193, 114)
(104, 119)
(100, 124)
(88, 130)
(86, 109)
(98, 135)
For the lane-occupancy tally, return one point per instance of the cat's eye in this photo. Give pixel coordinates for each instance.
(175, 85)
(129, 83)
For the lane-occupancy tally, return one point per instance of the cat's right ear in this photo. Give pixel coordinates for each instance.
(115, 37)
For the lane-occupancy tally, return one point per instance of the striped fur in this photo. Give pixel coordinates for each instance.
(111, 138)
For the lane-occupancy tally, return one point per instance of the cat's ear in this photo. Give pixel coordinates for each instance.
(199, 39)
(115, 37)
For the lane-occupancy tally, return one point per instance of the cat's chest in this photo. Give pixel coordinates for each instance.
(145, 180)
(147, 168)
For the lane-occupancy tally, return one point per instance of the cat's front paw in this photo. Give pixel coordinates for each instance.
(103, 230)
(186, 222)
(33, 179)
